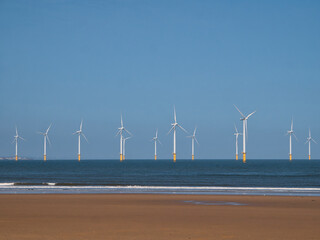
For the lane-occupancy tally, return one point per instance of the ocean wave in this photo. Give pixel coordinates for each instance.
(169, 188)
(7, 184)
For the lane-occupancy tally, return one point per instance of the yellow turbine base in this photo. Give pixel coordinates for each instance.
(45, 157)
(244, 159)
(79, 157)
(16, 157)
(237, 157)
(290, 157)
(192, 157)
(155, 157)
(174, 157)
(309, 157)
(121, 158)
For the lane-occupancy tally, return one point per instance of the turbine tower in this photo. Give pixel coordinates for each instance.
(45, 138)
(244, 119)
(193, 138)
(290, 133)
(309, 139)
(120, 132)
(80, 133)
(155, 139)
(16, 138)
(174, 125)
(237, 135)
(124, 147)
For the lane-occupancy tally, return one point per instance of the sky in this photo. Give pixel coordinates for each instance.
(63, 61)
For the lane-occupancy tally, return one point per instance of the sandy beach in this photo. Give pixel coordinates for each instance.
(110, 216)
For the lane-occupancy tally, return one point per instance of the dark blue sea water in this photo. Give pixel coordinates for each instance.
(205, 176)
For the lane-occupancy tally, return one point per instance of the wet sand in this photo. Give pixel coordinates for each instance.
(138, 216)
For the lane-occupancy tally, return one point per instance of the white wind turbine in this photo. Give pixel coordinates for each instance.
(309, 139)
(290, 133)
(80, 133)
(174, 125)
(237, 135)
(245, 130)
(193, 138)
(124, 147)
(120, 132)
(155, 139)
(45, 138)
(15, 140)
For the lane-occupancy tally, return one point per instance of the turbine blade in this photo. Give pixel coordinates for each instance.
(21, 138)
(291, 124)
(295, 136)
(239, 111)
(157, 133)
(40, 133)
(170, 130)
(250, 114)
(175, 116)
(128, 132)
(159, 141)
(196, 141)
(81, 125)
(48, 128)
(235, 128)
(121, 121)
(182, 128)
(16, 131)
(314, 141)
(194, 132)
(48, 140)
(85, 137)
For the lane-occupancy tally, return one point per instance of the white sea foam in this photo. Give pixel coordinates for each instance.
(6, 184)
(162, 188)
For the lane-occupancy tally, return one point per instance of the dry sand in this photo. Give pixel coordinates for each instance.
(110, 216)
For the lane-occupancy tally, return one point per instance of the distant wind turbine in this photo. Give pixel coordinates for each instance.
(45, 138)
(291, 132)
(174, 125)
(237, 135)
(80, 133)
(245, 130)
(15, 140)
(155, 139)
(124, 147)
(309, 139)
(193, 138)
(120, 132)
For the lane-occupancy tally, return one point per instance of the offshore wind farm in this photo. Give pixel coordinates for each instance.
(159, 120)
(122, 130)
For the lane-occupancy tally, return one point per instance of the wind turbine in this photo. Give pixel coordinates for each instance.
(244, 119)
(16, 137)
(193, 138)
(290, 132)
(309, 139)
(155, 139)
(237, 135)
(174, 125)
(124, 147)
(45, 138)
(120, 132)
(80, 133)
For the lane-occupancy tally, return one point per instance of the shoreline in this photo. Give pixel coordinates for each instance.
(52, 188)
(158, 216)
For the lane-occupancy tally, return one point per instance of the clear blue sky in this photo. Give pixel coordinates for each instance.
(61, 61)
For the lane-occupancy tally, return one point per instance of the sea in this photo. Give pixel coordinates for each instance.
(230, 177)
